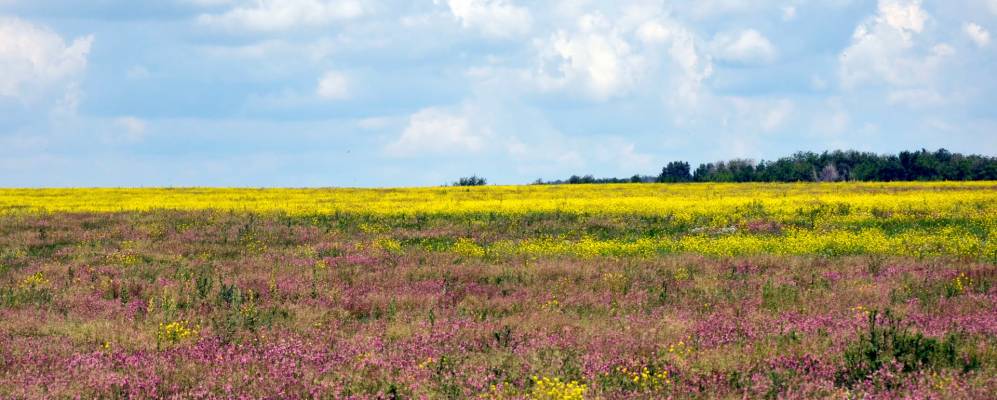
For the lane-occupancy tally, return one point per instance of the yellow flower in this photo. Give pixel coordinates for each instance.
(35, 280)
(174, 332)
(555, 389)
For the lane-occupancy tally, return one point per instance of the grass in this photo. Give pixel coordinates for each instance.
(202, 302)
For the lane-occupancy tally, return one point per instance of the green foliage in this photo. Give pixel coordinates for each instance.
(33, 290)
(675, 171)
(20, 296)
(776, 297)
(472, 180)
(503, 337)
(829, 166)
(444, 376)
(888, 341)
(204, 284)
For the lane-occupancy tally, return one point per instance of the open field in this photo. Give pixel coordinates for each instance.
(613, 291)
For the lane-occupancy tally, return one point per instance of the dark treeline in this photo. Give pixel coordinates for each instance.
(831, 166)
(472, 180)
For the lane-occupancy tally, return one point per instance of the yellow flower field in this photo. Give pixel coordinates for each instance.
(908, 198)
(908, 219)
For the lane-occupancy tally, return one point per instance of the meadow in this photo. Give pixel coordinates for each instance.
(837, 290)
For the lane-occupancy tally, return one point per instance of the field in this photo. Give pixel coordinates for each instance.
(845, 290)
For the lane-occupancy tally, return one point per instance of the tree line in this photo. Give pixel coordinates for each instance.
(829, 166)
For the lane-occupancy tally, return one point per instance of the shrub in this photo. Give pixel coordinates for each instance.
(472, 180)
(888, 341)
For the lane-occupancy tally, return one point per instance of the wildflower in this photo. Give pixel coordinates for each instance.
(679, 349)
(35, 280)
(556, 389)
(468, 248)
(174, 332)
(551, 305)
(388, 245)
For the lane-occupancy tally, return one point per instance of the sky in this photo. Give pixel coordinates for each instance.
(358, 93)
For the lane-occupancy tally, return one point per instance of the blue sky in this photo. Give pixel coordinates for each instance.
(409, 93)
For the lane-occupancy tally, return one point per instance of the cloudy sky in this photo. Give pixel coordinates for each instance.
(386, 93)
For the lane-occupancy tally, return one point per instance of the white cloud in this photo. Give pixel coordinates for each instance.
(789, 13)
(748, 47)
(438, 131)
(604, 58)
(693, 68)
(596, 59)
(653, 32)
(495, 18)
(904, 15)
(977, 34)
(886, 48)
(334, 85)
(706, 8)
(278, 15)
(34, 61)
(600, 56)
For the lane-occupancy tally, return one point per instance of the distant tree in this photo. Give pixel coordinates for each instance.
(472, 180)
(675, 171)
(829, 174)
(921, 165)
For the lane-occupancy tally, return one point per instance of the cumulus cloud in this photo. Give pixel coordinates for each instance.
(596, 58)
(35, 62)
(903, 15)
(746, 47)
(494, 18)
(334, 85)
(438, 131)
(694, 67)
(976, 33)
(605, 58)
(886, 49)
(653, 32)
(602, 53)
(278, 15)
